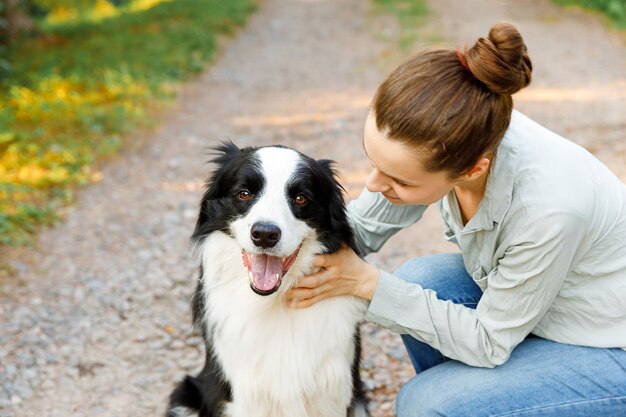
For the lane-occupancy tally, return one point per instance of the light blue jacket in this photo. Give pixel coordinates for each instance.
(547, 246)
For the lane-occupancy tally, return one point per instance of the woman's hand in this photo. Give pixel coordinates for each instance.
(342, 273)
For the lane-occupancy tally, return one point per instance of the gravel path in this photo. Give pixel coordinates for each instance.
(95, 321)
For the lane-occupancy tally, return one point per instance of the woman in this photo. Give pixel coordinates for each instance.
(539, 290)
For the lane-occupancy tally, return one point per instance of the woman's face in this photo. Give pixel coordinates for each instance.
(397, 170)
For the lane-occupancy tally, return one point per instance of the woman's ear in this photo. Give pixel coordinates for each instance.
(480, 168)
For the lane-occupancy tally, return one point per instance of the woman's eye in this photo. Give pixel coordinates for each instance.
(300, 200)
(244, 195)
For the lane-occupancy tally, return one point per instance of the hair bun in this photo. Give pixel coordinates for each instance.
(501, 62)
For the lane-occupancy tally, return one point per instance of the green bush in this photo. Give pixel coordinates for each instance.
(614, 9)
(76, 88)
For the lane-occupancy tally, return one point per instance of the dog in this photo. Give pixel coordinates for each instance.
(265, 213)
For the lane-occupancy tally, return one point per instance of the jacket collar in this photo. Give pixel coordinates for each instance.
(498, 192)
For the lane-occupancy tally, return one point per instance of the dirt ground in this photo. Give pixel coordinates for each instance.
(95, 320)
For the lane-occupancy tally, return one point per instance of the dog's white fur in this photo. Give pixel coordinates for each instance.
(259, 341)
(278, 166)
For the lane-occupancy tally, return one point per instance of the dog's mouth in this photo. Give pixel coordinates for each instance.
(266, 271)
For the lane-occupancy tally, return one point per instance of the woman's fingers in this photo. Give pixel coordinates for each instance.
(331, 259)
(296, 303)
(313, 280)
(303, 293)
(321, 261)
(333, 279)
(302, 298)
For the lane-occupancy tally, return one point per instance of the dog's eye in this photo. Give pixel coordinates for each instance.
(244, 195)
(300, 200)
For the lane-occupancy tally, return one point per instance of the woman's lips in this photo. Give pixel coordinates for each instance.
(390, 197)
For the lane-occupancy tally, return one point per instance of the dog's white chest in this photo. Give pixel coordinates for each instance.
(279, 361)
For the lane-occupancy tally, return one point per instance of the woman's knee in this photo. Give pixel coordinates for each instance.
(423, 396)
(408, 400)
(419, 398)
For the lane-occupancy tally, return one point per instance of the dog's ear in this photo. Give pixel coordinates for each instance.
(225, 148)
(336, 209)
(222, 154)
(328, 167)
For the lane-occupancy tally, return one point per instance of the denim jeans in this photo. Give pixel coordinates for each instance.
(541, 378)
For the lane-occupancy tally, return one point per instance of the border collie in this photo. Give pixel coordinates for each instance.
(265, 213)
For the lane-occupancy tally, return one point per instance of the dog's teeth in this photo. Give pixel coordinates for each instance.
(250, 277)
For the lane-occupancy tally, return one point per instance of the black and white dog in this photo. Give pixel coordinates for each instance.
(265, 213)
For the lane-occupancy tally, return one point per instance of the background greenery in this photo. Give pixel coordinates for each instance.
(83, 72)
(409, 14)
(87, 74)
(614, 9)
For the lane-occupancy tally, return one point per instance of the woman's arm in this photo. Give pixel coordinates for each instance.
(520, 290)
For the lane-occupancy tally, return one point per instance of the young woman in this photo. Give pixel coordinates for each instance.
(538, 293)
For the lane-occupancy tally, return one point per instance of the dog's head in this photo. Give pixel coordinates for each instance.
(272, 200)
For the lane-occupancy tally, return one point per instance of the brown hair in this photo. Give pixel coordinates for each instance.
(453, 105)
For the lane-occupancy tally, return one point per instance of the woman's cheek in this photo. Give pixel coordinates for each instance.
(408, 197)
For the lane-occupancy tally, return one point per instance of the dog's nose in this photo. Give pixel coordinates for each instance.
(265, 235)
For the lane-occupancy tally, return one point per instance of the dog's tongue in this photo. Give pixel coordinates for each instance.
(266, 271)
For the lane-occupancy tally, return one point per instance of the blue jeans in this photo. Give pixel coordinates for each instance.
(541, 378)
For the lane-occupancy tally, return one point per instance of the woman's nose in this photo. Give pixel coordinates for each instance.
(376, 182)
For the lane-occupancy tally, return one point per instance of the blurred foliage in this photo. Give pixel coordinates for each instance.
(409, 14)
(49, 5)
(76, 87)
(614, 9)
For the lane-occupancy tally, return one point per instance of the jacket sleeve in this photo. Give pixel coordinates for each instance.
(374, 220)
(520, 289)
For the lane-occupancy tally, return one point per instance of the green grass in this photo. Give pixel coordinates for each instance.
(614, 9)
(410, 15)
(76, 89)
